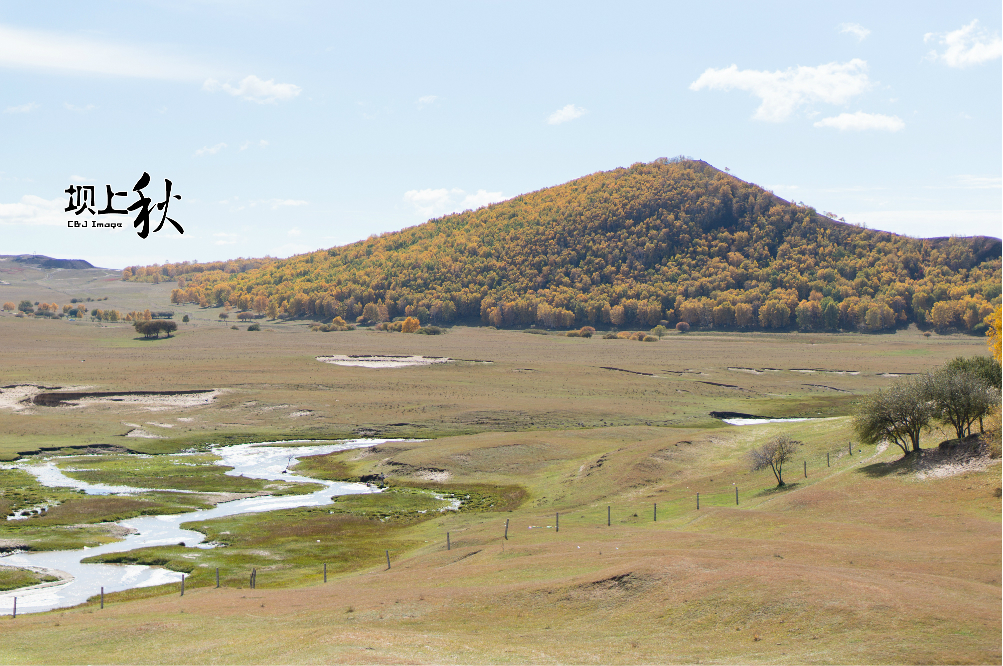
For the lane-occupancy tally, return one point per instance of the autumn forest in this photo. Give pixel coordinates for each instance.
(663, 242)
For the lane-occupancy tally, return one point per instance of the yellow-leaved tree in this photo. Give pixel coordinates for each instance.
(994, 424)
(993, 322)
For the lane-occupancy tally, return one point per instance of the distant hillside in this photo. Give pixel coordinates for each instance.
(673, 240)
(42, 261)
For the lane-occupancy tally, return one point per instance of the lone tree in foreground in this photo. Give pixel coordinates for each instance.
(898, 415)
(774, 454)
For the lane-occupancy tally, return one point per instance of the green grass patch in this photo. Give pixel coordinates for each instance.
(290, 547)
(196, 472)
(11, 578)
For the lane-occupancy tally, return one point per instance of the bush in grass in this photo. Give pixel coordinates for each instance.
(254, 327)
(682, 327)
(659, 331)
(610, 336)
(185, 319)
(430, 330)
(649, 338)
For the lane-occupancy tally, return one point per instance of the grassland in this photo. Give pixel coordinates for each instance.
(864, 560)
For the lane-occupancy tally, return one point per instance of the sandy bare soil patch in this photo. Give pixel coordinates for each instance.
(153, 401)
(19, 397)
(140, 431)
(389, 361)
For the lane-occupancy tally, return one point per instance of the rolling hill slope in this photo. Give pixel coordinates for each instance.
(671, 240)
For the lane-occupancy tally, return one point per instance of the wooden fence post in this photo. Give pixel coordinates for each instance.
(736, 495)
(557, 521)
(325, 572)
(388, 560)
(102, 597)
(506, 529)
(849, 447)
(654, 517)
(449, 545)
(217, 578)
(698, 501)
(826, 458)
(609, 519)
(805, 468)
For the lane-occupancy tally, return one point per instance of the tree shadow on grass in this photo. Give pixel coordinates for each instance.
(879, 470)
(776, 490)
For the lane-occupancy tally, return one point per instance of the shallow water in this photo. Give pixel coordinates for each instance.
(258, 461)
(742, 422)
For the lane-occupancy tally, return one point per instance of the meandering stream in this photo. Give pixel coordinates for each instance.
(262, 460)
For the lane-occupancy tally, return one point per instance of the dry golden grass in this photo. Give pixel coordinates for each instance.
(273, 384)
(849, 565)
(846, 567)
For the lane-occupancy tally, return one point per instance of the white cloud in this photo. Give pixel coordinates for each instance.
(71, 107)
(22, 108)
(968, 182)
(968, 45)
(863, 121)
(782, 92)
(248, 144)
(855, 29)
(480, 198)
(294, 232)
(253, 89)
(206, 150)
(570, 112)
(429, 202)
(32, 210)
(426, 100)
(275, 204)
(35, 49)
(227, 239)
(81, 179)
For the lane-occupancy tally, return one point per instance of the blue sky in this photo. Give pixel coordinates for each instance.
(288, 127)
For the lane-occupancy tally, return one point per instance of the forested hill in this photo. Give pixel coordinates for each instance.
(674, 240)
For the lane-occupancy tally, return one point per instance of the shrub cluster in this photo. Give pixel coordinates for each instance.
(407, 325)
(337, 324)
(153, 329)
